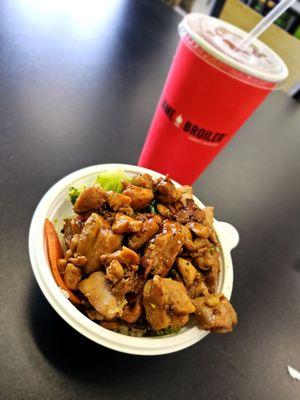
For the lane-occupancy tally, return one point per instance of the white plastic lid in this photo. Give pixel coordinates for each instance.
(219, 39)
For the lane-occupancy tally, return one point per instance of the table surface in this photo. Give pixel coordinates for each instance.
(78, 86)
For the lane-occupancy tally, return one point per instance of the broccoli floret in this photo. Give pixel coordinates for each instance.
(112, 180)
(73, 194)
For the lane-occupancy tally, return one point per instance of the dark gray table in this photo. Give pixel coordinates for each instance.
(78, 88)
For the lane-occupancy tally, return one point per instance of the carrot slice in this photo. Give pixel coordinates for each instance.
(55, 253)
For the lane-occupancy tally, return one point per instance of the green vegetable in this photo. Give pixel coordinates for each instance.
(112, 180)
(73, 194)
(109, 180)
(152, 207)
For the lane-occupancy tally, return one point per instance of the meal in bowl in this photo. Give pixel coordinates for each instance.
(140, 257)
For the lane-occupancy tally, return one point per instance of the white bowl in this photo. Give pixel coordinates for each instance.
(55, 205)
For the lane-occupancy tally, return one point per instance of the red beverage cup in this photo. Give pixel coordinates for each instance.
(207, 97)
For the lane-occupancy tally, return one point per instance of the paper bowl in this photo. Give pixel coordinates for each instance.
(56, 206)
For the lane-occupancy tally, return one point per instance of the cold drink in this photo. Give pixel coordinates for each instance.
(211, 89)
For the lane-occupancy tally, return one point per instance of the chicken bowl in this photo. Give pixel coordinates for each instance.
(143, 264)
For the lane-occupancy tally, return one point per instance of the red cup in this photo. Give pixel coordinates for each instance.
(206, 98)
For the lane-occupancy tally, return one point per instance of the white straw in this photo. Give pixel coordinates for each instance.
(265, 23)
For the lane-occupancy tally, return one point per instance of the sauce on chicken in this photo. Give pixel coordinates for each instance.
(147, 258)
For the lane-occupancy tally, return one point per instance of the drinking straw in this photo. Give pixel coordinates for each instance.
(265, 23)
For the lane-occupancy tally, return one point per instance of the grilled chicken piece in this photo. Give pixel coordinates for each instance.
(125, 224)
(198, 288)
(198, 246)
(124, 256)
(73, 226)
(166, 303)
(132, 279)
(186, 192)
(72, 276)
(166, 191)
(140, 197)
(115, 271)
(209, 221)
(175, 207)
(209, 263)
(96, 290)
(91, 198)
(165, 211)
(67, 230)
(187, 271)
(209, 216)
(79, 261)
(207, 260)
(133, 310)
(188, 242)
(148, 215)
(199, 230)
(109, 216)
(96, 239)
(184, 211)
(150, 226)
(132, 282)
(61, 265)
(215, 313)
(189, 213)
(77, 223)
(144, 180)
(163, 249)
(119, 202)
(211, 279)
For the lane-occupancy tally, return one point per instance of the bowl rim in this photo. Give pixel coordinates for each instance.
(227, 235)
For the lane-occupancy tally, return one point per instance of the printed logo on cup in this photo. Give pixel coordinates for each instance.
(196, 132)
(178, 121)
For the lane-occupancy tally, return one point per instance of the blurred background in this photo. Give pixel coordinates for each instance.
(283, 36)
